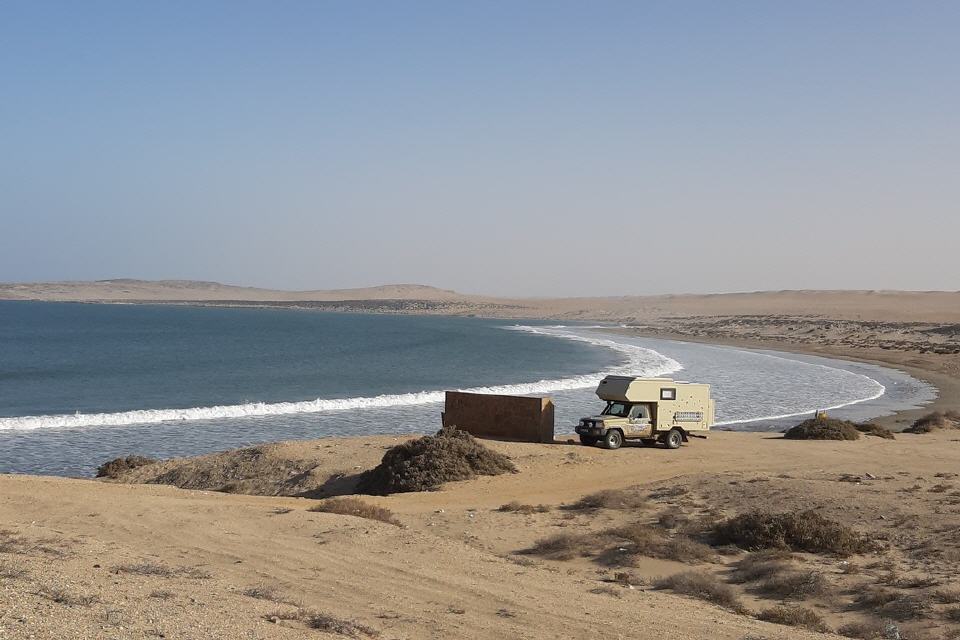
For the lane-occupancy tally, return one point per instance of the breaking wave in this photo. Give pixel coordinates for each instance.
(638, 361)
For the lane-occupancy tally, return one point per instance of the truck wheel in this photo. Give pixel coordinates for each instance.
(588, 440)
(613, 439)
(674, 439)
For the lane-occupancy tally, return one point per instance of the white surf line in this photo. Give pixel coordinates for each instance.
(639, 361)
(882, 389)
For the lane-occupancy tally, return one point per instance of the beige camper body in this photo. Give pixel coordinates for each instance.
(651, 410)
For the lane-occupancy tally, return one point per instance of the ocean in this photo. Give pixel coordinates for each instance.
(83, 383)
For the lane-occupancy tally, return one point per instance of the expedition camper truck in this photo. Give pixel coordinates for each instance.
(650, 410)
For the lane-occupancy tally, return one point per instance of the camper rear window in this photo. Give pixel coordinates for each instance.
(668, 394)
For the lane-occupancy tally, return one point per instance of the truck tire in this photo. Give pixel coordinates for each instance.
(613, 439)
(588, 440)
(674, 439)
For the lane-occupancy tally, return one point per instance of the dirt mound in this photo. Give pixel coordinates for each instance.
(934, 421)
(823, 429)
(426, 463)
(118, 466)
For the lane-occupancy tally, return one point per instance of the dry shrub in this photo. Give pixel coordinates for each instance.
(118, 466)
(607, 591)
(761, 565)
(645, 540)
(627, 579)
(875, 597)
(619, 499)
(526, 509)
(913, 582)
(684, 549)
(871, 630)
(12, 572)
(947, 596)
(798, 530)
(821, 428)
(934, 421)
(794, 617)
(703, 586)
(795, 585)
(640, 536)
(325, 622)
(426, 463)
(952, 614)
(357, 508)
(13, 543)
(161, 571)
(264, 592)
(562, 546)
(905, 607)
(162, 594)
(62, 596)
(672, 491)
(672, 519)
(872, 429)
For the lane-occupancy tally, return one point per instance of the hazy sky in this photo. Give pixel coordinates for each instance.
(534, 148)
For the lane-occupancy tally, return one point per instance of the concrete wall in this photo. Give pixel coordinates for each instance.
(500, 417)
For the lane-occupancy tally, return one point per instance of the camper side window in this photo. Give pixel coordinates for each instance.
(668, 394)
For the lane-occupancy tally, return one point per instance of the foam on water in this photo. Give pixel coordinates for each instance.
(638, 361)
(871, 391)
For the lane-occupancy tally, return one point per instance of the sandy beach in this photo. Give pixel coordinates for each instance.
(88, 559)
(112, 559)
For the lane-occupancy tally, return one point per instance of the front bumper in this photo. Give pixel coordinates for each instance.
(589, 430)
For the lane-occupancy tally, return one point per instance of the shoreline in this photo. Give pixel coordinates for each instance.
(946, 385)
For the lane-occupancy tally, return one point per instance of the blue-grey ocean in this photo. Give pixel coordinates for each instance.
(83, 383)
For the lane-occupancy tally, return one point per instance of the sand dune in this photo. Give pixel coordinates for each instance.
(193, 291)
(904, 306)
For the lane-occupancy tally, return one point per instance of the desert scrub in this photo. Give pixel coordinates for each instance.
(794, 617)
(62, 596)
(645, 540)
(355, 507)
(761, 565)
(562, 546)
(870, 630)
(798, 530)
(426, 463)
(325, 622)
(905, 607)
(264, 592)
(526, 509)
(618, 499)
(794, 585)
(871, 429)
(703, 586)
(161, 571)
(821, 428)
(934, 421)
(118, 466)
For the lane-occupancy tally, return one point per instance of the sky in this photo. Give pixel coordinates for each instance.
(499, 147)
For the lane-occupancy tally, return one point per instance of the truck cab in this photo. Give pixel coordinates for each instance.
(651, 410)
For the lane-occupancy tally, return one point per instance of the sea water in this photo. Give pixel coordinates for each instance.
(82, 383)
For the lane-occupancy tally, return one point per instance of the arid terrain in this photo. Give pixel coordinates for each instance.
(234, 549)
(100, 559)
